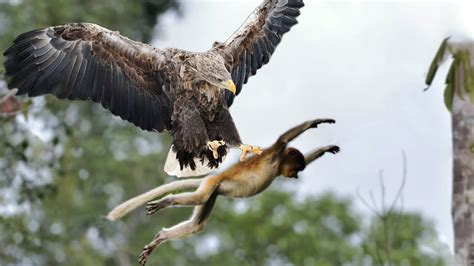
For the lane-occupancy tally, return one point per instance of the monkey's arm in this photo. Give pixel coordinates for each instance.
(139, 200)
(320, 152)
(298, 130)
(194, 225)
(198, 197)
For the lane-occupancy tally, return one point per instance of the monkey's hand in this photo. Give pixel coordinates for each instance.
(296, 131)
(315, 123)
(320, 152)
(333, 149)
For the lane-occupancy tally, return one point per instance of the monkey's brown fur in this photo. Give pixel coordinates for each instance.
(244, 179)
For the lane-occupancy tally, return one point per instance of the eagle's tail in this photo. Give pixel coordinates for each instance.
(173, 168)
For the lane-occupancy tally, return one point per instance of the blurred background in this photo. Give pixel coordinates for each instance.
(64, 165)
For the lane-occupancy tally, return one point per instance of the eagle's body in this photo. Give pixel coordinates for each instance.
(185, 93)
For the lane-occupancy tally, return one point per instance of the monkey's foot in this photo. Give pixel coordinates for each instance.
(248, 148)
(153, 206)
(148, 249)
(214, 145)
(333, 149)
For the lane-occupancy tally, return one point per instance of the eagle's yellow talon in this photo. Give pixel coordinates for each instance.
(214, 145)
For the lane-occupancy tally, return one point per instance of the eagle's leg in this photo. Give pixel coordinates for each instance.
(214, 145)
(249, 149)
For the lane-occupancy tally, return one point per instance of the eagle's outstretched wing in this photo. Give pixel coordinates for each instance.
(85, 61)
(252, 45)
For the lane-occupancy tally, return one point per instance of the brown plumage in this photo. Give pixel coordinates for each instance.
(244, 179)
(185, 93)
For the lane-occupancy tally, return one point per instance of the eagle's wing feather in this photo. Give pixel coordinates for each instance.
(252, 45)
(85, 61)
(189, 130)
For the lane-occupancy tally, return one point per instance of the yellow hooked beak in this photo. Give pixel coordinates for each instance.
(229, 85)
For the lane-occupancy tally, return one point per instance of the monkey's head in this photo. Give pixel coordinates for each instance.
(292, 162)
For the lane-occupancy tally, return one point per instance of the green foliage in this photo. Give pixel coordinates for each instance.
(56, 187)
(273, 227)
(437, 60)
(135, 19)
(460, 77)
(466, 67)
(448, 96)
(452, 82)
(407, 233)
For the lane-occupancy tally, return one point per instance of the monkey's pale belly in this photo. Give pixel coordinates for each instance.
(249, 185)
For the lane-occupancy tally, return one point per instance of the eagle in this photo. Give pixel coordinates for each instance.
(187, 94)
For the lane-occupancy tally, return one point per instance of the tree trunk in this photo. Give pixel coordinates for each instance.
(463, 180)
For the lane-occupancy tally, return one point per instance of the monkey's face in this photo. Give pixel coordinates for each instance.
(292, 163)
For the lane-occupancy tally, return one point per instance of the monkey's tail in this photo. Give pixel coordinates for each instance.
(133, 203)
(172, 167)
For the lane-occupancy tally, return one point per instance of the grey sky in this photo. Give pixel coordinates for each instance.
(364, 65)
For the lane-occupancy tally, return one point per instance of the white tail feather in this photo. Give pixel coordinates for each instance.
(172, 166)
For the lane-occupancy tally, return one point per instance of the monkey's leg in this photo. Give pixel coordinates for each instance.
(320, 152)
(194, 225)
(180, 230)
(139, 200)
(198, 197)
(298, 130)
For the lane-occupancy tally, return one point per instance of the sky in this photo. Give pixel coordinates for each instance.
(363, 64)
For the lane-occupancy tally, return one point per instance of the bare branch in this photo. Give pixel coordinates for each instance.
(372, 197)
(374, 211)
(382, 192)
(390, 219)
(404, 178)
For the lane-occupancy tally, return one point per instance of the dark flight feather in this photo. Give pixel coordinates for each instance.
(85, 61)
(253, 44)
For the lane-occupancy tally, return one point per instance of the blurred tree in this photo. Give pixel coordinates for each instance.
(459, 99)
(409, 234)
(274, 229)
(49, 150)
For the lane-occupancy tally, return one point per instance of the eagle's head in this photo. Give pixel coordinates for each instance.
(222, 79)
(210, 67)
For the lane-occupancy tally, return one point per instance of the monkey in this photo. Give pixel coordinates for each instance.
(244, 179)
